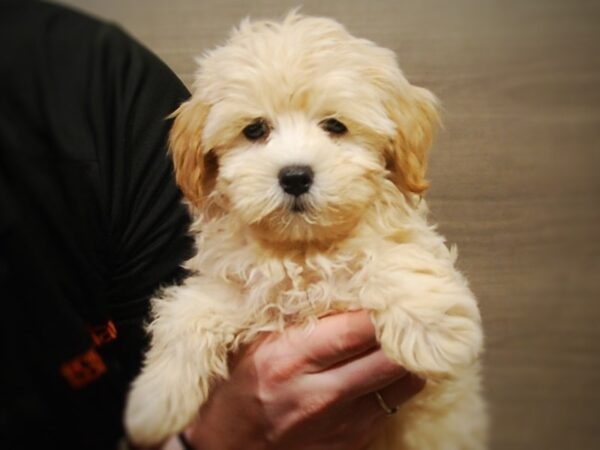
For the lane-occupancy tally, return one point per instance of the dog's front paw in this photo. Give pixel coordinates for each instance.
(430, 341)
(191, 336)
(158, 407)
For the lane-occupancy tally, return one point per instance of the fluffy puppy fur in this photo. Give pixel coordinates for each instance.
(304, 92)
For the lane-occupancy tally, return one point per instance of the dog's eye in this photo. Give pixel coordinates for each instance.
(256, 130)
(333, 126)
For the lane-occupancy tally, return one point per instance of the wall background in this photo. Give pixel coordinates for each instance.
(516, 174)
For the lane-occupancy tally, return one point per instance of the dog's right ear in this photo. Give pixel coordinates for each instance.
(195, 167)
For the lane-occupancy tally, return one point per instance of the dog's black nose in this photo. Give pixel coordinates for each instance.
(296, 180)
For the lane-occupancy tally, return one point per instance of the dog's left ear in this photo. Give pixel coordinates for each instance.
(415, 114)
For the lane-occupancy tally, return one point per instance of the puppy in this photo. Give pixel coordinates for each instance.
(302, 156)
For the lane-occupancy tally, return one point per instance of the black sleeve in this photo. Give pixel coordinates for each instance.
(146, 218)
(91, 222)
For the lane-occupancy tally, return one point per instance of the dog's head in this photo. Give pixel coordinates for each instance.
(294, 126)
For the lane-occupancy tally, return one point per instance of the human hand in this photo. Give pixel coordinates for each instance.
(304, 391)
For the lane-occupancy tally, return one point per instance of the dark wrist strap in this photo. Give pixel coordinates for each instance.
(184, 442)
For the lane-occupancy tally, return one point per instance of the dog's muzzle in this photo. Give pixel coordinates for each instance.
(296, 180)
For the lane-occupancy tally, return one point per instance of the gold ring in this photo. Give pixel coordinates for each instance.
(388, 411)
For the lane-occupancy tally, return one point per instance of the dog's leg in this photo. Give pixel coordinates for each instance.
(427, 320)
(425, 315)
(431, 333)
(192, 328)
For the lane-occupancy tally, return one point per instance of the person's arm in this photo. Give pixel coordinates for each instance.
(303, 391)
(89, 209)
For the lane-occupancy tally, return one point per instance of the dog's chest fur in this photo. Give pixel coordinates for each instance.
(277, 287)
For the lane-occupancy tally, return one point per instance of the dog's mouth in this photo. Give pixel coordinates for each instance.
(298, 205)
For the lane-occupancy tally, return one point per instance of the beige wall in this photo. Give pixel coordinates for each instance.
(515, 175)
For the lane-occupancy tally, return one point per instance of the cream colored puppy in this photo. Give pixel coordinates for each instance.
(302, 155)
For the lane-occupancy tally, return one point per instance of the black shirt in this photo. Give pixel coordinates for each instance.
(91, 222)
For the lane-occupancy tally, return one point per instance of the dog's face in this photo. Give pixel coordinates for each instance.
(294, 127)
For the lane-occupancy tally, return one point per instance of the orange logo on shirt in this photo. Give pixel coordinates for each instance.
(83, 369)
(103, 334)
(89, 366)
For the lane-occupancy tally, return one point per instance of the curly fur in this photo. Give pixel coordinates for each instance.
(361, 241)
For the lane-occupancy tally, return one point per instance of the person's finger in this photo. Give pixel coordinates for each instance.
(394, 395)
(334, 339)
(367, 373)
